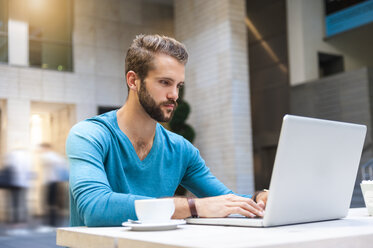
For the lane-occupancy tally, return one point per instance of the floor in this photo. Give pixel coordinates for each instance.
(31, 235)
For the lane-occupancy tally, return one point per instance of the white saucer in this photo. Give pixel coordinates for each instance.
(169, 225)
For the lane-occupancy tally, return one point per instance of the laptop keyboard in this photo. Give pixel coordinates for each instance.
(242, 216)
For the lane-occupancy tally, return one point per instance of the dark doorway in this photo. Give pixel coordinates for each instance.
(330, 64)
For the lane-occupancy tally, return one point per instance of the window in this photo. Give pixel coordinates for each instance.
(50, 34)
(330, 64)
(4, 31)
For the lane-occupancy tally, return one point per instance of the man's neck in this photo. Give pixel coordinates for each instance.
(138, 126)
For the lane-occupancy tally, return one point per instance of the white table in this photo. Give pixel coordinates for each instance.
(356, 230)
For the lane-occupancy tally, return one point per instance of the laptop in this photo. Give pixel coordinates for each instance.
(313, 175)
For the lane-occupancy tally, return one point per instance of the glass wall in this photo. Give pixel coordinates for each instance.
(50, 34)
(4, 31)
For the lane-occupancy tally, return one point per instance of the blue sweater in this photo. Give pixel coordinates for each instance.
(107, 176)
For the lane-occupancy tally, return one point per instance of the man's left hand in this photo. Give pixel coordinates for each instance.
(261, 198)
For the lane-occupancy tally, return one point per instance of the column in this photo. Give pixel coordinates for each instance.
(217, 86)
(18, 33)
(17, 124)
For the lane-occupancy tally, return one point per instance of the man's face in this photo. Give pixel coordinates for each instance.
(160, 89)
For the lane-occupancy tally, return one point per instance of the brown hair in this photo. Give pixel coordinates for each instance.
(141, 53)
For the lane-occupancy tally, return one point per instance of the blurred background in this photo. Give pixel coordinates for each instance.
(251, 62)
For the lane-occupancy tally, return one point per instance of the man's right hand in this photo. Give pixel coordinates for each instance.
(224, 205)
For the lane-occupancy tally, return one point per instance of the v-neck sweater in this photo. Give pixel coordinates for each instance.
(107, 176)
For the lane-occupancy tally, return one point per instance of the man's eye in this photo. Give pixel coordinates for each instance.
(180, 86)
(164, 82)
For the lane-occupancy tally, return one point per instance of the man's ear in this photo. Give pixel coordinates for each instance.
(132, 80)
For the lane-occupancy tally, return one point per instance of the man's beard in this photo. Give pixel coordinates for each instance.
(151, 107)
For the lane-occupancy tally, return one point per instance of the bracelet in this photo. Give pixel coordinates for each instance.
(257, 193)
(192, 207)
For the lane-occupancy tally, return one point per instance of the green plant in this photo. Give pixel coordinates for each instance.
(178, 125)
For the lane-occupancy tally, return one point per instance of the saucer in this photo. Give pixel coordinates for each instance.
(138, 226)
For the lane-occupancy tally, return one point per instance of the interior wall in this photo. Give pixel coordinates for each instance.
(269, 82)
(305, 21)
(355, 45)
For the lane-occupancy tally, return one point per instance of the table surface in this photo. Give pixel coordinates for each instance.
(356, 230)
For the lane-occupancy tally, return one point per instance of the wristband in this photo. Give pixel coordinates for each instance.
(257, 193)
(192, 207)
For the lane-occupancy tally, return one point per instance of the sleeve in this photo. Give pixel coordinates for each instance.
(92, 197)
(200, 181)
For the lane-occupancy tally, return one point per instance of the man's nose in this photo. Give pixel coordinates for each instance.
(173, 93)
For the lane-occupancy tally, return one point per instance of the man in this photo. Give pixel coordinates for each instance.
(125, 155)
(19, 163)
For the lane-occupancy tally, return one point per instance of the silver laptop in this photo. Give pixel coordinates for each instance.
(313, 176)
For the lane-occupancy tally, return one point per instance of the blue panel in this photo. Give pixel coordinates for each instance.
(349, 18)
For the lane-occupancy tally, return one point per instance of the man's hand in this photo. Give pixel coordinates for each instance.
(261, 199)
(222, 206)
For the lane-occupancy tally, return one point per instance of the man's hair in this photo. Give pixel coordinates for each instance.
(141, 53)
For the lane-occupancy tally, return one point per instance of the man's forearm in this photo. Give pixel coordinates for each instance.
(218, 206)
(182, 210)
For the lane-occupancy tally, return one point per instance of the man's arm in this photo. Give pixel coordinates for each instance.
(216, 200)
(218, 206)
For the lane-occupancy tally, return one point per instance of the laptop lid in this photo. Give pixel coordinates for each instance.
(315, 170)
(313, 176)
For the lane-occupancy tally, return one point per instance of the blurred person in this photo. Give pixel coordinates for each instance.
(19, 163)
(55, 169)
(125, 155)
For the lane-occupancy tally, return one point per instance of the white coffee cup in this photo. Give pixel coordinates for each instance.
(367, 189)
(154, 210)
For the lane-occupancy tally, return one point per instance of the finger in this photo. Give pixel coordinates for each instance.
(263, 196)
(255, 205)
(258, 211)
(247, 207)
(248, 201)
(262, 204)
(241, 211)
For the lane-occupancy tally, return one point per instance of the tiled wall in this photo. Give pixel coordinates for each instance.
(217, 86)
(103, 30)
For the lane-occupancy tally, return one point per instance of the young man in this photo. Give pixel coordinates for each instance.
(125, 155)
